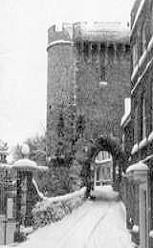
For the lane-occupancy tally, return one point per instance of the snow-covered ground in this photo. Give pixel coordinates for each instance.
(95, 224)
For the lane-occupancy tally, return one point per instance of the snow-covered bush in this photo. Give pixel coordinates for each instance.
(53, 209)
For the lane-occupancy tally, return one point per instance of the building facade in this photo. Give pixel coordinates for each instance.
(88, 75)
(103, 171)
(141, 156)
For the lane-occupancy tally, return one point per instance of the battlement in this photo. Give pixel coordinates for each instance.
(56, 33)
(95, 31)
(101, 31)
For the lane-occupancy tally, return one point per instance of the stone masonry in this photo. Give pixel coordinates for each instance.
(89, 70)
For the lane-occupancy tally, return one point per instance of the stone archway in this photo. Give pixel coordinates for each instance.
(112, 146)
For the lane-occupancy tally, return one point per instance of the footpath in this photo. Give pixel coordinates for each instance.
(95, 224)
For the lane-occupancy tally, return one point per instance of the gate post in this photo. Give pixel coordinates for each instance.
(139, 173)
(25, 189)
(7, 206)
(24, 168)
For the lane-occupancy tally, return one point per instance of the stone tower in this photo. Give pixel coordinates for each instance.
(89, 70)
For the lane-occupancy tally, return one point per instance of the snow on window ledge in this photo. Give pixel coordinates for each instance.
(150, 138)
(135, 229)
(151, 234)
(59, 42)
(143, 57)
(135, 70)
(143, 143)
(135, 149)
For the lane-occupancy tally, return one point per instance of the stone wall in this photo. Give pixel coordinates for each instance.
(56, 208)
(101, 97)
(93, 75)
(60, 83)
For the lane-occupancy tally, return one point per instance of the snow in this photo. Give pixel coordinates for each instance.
(140, 166)
(102, 161)
(150, 137)
(97, 31)
(127, 111)
(143, 143)
(138, 14)
(135, 70)
(143, 57)
(150, 45)
(38, 192)
(59, 42)
(78, 193)
(95, 224)
(135, 149)
(142, 75)
(151, 234)
(135, 229)
(27, 164)
(103, 83)
(105, 192)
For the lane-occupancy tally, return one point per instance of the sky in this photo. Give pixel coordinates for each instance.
(23, 56)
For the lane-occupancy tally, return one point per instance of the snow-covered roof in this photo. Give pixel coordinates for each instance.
(27, 164)
(140, 166)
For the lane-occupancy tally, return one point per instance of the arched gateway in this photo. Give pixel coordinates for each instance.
(111, 145)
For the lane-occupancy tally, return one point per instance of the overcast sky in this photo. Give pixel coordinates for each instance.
(23, 56)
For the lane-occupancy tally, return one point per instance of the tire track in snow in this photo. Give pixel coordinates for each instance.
(93, 230)
(84, 227)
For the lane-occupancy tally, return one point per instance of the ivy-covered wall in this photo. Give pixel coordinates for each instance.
(56, 208)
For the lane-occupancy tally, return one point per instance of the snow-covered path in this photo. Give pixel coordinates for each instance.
(96, 224)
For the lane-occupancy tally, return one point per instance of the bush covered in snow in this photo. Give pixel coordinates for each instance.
(54, 209)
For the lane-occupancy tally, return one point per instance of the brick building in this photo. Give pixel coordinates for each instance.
(140, 206)
(89, 72)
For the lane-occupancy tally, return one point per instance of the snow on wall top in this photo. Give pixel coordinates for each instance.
(79, 193)
(140, 166)
(27, 164)
(95, 31)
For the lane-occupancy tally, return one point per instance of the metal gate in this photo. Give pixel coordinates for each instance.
(7, 213)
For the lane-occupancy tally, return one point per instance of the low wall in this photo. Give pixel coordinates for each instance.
(54, 209)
